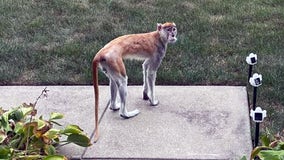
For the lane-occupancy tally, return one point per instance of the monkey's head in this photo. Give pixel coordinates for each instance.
(168, 31)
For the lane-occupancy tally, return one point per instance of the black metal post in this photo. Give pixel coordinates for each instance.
(256, 138)
(250, 71)
(251, 60)
(254, 98)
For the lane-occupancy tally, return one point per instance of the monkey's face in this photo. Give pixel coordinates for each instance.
(171, 34)
(168, 31)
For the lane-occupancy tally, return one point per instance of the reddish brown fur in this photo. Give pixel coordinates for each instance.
(137, 46)
(128, 46)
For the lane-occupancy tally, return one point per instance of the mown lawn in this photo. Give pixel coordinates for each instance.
(46, 42)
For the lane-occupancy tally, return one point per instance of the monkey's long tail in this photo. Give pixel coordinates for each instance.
(96, 91)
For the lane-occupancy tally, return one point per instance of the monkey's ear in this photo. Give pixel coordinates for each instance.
(159, 26)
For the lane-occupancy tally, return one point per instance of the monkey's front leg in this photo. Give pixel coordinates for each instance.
(145, 80)
(151, 80)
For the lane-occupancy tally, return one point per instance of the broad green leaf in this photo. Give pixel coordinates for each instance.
(55, 115)
(16, 115)
(72, 129)
(30, 129)
(34, 130)
(52, 133)
(271, 155)
(256, 151)
(19, 128)
(1, 111)
(244, 158)
(15, 142)
(79, 139)
(265, 140)
(280, 146)
(5, 123)
(26, 110)
(41, 124)
(3, 136)
(49, 150)
(55, 157)
(4, 152)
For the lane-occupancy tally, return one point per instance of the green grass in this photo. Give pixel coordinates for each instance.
(54, 41)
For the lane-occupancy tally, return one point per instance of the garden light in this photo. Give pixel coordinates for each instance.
(258, 114)
(251, 59)
(256, 80)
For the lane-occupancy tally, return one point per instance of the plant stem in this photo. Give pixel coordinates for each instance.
(44, 91)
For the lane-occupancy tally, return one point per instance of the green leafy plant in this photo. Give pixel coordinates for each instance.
(23, 136)
(272, 147)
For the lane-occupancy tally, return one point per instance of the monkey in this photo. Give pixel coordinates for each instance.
(150, 47)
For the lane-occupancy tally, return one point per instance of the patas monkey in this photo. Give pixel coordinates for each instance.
(150, 47)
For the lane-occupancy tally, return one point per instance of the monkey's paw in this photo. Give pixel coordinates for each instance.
(145, 96)
(130, 114)
(114, 108)
(154, 103)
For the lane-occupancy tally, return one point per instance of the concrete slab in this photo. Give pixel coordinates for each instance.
(75, 102)
(191, 122)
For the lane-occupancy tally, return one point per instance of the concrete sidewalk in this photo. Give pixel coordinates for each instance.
(191, 122)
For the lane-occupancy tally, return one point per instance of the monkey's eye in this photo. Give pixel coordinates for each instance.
(169, 29)
(174, 29)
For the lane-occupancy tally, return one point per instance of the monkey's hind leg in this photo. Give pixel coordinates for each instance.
(114, 104)
(122, 89)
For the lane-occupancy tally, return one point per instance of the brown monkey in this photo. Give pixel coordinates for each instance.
(150, 47)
